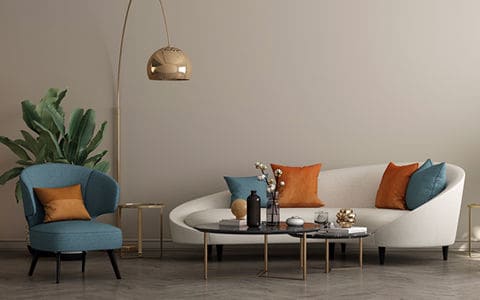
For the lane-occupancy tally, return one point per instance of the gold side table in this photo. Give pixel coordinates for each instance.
(140, 207)
(470, 206)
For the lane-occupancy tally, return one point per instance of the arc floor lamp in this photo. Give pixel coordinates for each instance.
(167, 63)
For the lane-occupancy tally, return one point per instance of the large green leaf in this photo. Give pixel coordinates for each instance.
(30, 115)
(10, 174)
(71, 144)
(97, 139)
(95, 159)
(102, 166)
(27, 146)
(86, 129)
(31, 142)
(41, 154)
(19, 151)
(53, 141)
(57, 118)
(60, 97)
(25, 162)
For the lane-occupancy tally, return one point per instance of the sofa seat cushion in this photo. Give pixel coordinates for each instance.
(75, 235)
(372, 218)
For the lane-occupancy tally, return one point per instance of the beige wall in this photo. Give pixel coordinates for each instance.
(296, 82)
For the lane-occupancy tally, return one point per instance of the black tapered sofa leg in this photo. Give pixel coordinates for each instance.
(381, 255)
(34, 263)
(58, 257)
(331, 251)
(344, 248)
(445, 252)
(219, 252)
(113, 260)
(84, 256)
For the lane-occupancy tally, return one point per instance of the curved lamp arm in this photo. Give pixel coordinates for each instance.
(168, 63)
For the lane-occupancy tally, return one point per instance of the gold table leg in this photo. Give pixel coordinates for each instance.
(327, 257)
(140, 234)
(161, 232)
(265, 253)
(205, 255)
(469, 231)
(301, 253)
(360, 251)
(304, 256)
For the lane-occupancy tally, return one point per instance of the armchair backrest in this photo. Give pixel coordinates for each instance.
(100, 192)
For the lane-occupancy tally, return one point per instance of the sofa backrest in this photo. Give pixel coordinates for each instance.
(357, 186)
(350, 187)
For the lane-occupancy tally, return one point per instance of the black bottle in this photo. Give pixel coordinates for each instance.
(253, 210)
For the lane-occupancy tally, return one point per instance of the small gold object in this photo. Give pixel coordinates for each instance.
(239, 208)
(346, 217)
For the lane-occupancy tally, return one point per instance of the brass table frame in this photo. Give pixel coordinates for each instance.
(140, 207)
(470, 206)
(328, 268)
(264, 272)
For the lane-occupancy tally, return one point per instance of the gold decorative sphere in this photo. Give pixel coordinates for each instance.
(239, 208)
(169, 63)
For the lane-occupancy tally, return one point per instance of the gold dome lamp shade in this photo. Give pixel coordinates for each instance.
(169, 63)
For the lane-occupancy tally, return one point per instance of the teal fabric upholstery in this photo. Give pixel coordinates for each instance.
(427, 182)
(240, 187)
(75, 236)
(100, 193)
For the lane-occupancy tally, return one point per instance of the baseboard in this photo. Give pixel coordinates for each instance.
(154, 244)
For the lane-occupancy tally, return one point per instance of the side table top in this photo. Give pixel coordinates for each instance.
(141, 205)
(333, 235)
(283, 228)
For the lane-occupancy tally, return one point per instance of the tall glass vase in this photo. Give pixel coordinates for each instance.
(273, 210)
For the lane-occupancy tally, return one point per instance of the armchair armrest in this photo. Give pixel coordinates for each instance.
(101, 195)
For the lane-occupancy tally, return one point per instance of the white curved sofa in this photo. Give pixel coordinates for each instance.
(430, 225)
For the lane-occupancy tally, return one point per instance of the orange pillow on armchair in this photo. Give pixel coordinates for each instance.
(63, 203)
(393, 187)
(301, 185)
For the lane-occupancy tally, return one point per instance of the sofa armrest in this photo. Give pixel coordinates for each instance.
(430, 225)
(181, 232)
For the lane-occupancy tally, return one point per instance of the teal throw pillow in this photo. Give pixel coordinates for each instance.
(426, 183)
(240, 187)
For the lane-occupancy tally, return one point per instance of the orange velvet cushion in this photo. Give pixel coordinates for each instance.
(301, 185)
(392, 189)
(65, 203)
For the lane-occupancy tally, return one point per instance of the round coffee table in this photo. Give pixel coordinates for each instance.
(333, 236)
(283, 228)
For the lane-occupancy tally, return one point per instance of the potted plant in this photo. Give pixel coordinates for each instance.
(51, 141)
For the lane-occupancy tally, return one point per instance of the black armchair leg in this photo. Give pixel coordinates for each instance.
(58, 257)
(84, 256)
(445, 252)
(34, 263)
(113, 260)
(381, 255)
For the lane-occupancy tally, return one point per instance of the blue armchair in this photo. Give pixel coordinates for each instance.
(100, 193)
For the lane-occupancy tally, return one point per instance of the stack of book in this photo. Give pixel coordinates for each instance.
(233, 223)
(351, 230)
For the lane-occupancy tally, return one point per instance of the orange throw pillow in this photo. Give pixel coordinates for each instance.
(65, 203)
(301, 185)
(392, 189)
